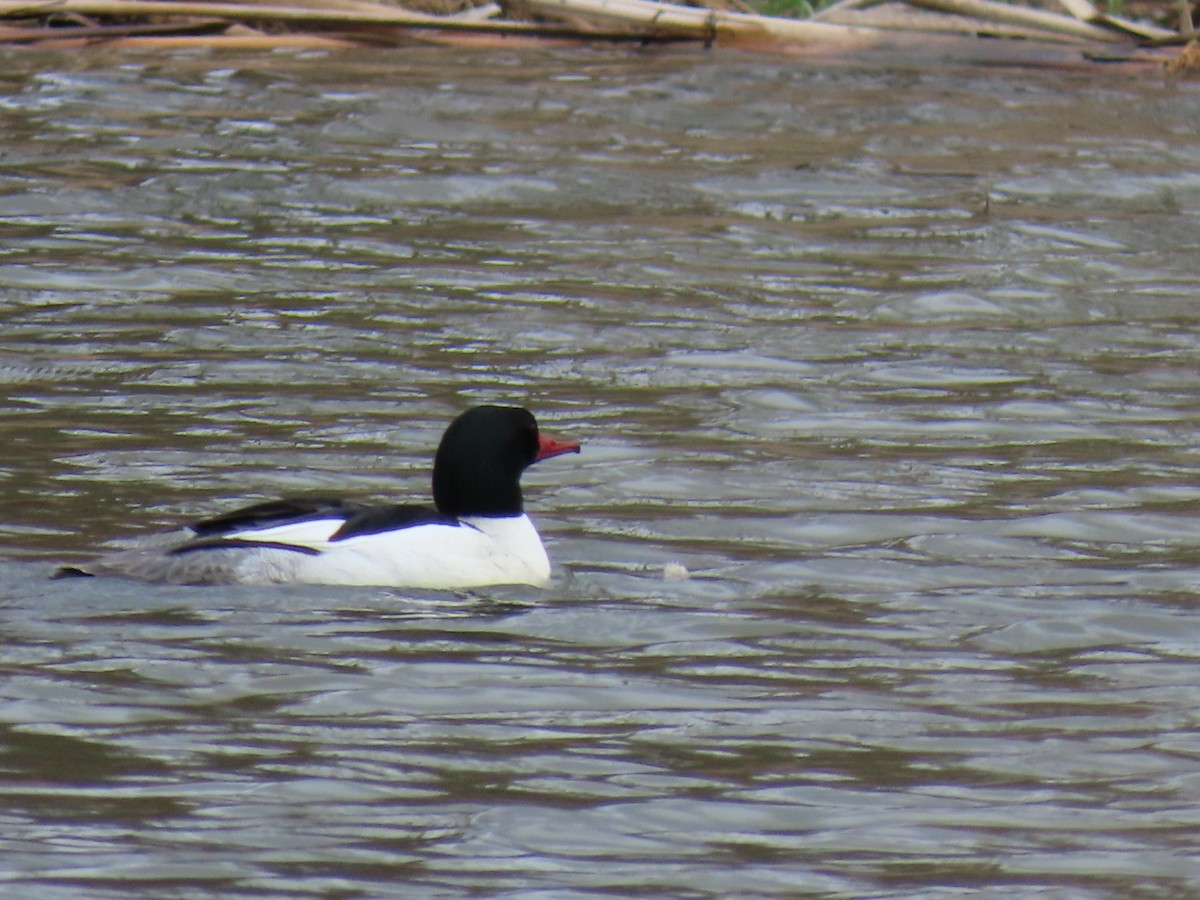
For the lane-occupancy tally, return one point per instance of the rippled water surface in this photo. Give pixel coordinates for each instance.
(904, 367)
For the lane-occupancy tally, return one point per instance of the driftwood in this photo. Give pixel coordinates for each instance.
(849, 27)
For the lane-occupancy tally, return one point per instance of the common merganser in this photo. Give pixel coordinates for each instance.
(476, 533)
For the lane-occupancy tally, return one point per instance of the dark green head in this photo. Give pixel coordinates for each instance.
(478, 466)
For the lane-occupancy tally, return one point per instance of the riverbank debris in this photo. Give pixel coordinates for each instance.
(950, 29)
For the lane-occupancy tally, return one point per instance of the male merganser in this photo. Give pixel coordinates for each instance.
(476, 533)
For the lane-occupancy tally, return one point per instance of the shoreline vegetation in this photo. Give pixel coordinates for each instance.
(1065, 33)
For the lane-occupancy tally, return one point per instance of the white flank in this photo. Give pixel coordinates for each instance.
(481, 551)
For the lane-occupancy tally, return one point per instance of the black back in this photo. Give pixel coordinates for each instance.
(378, 519)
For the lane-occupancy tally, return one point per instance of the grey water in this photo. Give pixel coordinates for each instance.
(902, 366)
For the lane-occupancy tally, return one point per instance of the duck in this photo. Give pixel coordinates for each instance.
(475, 534)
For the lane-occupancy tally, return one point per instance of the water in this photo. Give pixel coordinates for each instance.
(903, 367)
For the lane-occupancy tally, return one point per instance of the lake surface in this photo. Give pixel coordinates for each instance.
(903, 366)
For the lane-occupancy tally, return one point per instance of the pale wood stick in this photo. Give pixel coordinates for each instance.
(378, 13)
(988, 10)
(365, 6)
(707, 24)
(1083, 10)
(1140, 29)
(236, 41)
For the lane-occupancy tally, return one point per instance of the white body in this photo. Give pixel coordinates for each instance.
(479, 551)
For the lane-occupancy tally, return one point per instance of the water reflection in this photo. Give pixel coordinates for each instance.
(901, 366)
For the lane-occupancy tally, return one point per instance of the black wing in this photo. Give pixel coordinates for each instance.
(377, 519)
(276, 512)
